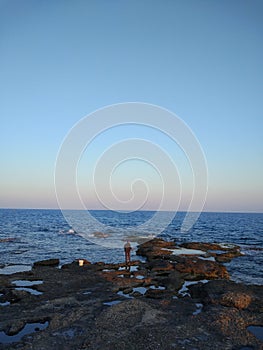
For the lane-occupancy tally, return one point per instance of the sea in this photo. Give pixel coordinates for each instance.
(29, 235)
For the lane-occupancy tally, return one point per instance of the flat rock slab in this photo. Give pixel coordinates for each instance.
(90, 307)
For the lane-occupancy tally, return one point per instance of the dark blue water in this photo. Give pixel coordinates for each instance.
(41, 234)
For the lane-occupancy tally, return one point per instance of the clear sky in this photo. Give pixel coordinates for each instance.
(201, 59)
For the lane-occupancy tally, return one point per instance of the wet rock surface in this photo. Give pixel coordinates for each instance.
(180, 299)
(49, 262)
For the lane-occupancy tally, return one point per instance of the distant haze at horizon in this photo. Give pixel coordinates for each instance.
(150, 210)
(202, 60)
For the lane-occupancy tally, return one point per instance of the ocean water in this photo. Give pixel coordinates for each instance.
(30, 235)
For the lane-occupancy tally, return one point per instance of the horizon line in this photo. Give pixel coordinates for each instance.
(150, 210)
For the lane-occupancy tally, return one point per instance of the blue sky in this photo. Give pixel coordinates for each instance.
(201, 59)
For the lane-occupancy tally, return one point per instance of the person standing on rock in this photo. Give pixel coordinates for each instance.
(127, 250)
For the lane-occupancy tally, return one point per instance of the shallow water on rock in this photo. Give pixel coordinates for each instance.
(29, 290)
(111, 303)
(87, 293)
(257, 331)
(198, 310)
(28, 329)
(185, 251)
(26, 283)
(68, 333)
(8, 270)
(140, 277)
(141, 290)
(6, 303)
(128, 296)
(133, 268)
(184, 290)
(157, 287)
(23, 285)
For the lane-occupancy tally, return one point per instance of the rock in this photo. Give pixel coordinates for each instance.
(128, 290)
(77, 264)
(157, 242)
(231, 325)
(209, 246)
(159, 266)
(17, 295)
(8, 239)
(227, 257)
(238, 300)
(49, 262)
(14, 296)
(130, 313)
(4, 282)
(122, 282)
(230, 294)
(71, 266)
(156, 293)
(136, 294)
(221, 252)
(201, 246)
(159, 249)
(173, 282)
(75, 301)
(156, 248)
(159, 253)
(196, 269)
(16, 327)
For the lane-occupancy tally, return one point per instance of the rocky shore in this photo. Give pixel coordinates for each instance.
(181, 297)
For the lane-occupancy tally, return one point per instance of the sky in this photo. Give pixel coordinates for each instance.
(200, 59)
